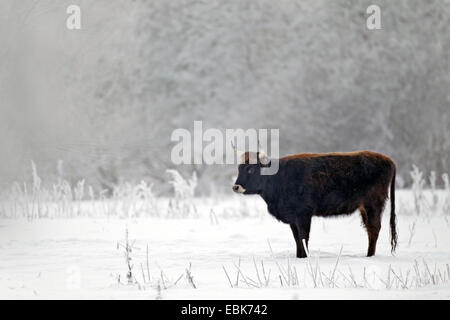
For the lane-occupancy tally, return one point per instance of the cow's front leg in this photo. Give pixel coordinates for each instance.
(297, 239)
(302, 226)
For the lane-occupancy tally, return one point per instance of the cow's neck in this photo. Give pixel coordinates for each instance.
(269, 193)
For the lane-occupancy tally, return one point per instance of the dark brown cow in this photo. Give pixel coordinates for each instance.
(325, 185)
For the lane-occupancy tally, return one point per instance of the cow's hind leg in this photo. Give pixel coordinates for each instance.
(371, 216)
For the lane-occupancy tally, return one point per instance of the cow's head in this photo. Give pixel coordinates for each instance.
(250, 180)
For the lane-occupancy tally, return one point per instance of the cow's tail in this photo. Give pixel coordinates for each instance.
(393, 218)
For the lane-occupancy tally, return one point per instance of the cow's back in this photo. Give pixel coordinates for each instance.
(337, 183)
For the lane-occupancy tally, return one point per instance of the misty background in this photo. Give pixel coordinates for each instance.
(103, 101)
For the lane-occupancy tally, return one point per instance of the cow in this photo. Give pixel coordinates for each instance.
(324, 185)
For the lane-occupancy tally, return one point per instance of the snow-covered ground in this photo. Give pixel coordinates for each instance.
(81, 258)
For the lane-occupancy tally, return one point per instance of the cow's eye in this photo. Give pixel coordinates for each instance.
(250, 170)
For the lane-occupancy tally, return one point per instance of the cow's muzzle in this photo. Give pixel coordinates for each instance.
(238, 188)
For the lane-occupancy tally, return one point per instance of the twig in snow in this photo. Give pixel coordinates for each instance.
(228, 277)
(412, 229)
(148, 268)
(335, 266)
(190, 277)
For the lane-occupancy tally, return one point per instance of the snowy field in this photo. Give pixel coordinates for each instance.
(228, 248)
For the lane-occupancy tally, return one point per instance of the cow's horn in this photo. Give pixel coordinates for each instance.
(262, 153)
(263, 158)
(234, 147)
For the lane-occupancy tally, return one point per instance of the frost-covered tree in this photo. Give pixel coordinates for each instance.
(105, 99)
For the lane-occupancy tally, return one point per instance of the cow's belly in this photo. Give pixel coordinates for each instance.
(337, 203)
